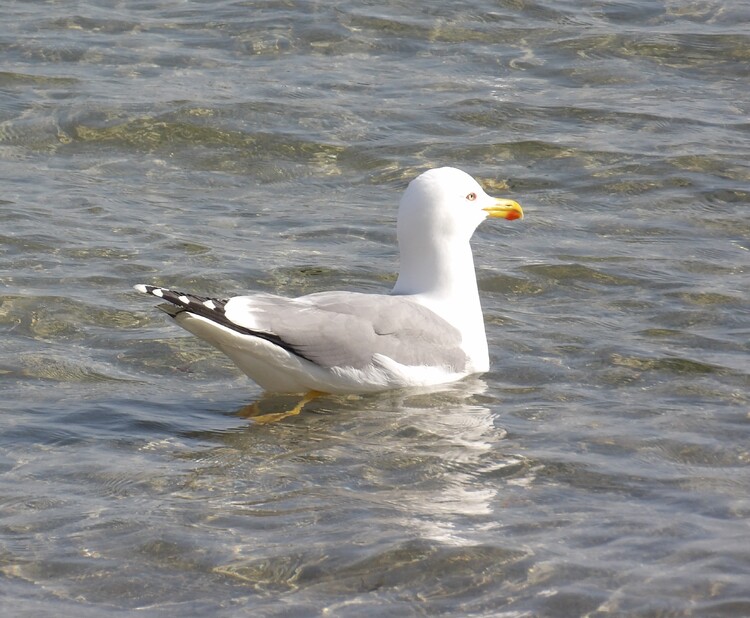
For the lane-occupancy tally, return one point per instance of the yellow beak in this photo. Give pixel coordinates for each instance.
(504, 209)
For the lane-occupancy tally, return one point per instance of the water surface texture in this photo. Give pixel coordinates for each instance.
(602, 467)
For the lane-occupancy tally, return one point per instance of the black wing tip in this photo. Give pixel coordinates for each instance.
(181, 299)
(147, 289)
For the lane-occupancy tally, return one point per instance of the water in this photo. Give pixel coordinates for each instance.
(602, 466)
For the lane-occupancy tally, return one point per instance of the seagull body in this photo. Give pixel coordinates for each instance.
(429, 330)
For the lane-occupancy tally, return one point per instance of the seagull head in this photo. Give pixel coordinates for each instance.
(446, 205)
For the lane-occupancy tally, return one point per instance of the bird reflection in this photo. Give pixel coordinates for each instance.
(429, 457)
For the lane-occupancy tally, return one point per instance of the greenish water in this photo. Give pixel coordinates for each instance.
(600, 468)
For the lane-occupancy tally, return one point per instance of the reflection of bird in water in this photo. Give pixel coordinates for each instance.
(429, 330)
(433, 461)
(446, 448)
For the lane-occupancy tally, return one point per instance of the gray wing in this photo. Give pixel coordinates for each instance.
(345, 329)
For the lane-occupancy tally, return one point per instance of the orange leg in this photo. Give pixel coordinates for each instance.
(254, 412)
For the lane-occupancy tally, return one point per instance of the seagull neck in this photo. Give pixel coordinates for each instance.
(444, 277)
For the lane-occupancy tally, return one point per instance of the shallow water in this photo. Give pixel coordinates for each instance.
(601, 467)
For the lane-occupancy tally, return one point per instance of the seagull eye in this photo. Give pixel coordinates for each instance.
(471, 197)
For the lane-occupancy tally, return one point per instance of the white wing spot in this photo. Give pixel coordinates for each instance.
(184, 299)
(209, 304)
(157, 292)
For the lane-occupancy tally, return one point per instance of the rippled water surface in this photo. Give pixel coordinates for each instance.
(600, 468)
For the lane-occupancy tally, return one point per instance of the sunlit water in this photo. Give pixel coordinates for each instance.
(600, 468)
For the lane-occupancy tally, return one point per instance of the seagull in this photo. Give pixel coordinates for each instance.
(428, 330)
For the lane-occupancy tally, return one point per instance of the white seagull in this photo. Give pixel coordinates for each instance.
(429, 330)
